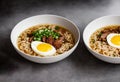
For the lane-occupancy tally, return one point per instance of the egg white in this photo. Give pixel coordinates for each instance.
(34, 45)
(109, 37)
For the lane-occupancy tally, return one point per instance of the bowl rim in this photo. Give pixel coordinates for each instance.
(101, 27)
(53, 16)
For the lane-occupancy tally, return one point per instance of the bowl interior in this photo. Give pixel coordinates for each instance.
(43, 19)
(97, 24)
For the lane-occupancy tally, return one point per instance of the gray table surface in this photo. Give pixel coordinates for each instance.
(80, 66)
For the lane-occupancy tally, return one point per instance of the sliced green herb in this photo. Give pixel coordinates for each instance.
(45, 32)
(99, 35)
(56, 27)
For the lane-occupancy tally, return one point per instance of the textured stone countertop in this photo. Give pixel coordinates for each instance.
(80, 66)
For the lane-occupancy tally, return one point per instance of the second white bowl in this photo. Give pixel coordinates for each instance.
(95, 25)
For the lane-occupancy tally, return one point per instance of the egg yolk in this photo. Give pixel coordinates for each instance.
(116, 40)
(44, 47)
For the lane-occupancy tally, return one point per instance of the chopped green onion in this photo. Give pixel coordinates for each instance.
(45, 32)
(56, 27)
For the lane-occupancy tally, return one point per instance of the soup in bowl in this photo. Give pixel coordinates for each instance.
(45, 38)
(102, 38)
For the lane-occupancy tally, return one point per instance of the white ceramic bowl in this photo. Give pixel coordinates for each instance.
(97, 24)
(44, 19)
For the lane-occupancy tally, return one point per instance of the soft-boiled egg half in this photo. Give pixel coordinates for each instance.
(113, 40)
(42, 48)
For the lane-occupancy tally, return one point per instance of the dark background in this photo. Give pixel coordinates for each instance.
(80, 66)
